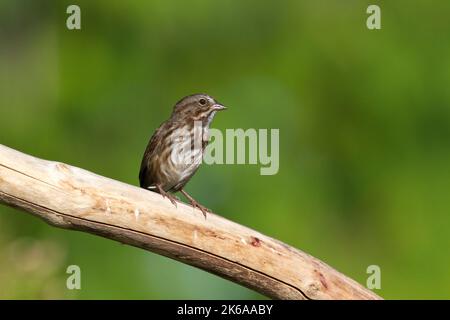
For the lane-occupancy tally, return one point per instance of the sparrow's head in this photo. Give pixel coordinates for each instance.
(196, 107)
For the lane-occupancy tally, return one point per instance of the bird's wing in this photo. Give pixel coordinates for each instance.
(145, 179)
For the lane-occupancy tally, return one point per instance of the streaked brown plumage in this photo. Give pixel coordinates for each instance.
(175, 150)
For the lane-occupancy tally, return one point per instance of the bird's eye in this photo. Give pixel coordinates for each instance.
(202, 101)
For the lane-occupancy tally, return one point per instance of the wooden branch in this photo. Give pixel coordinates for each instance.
(72, 198)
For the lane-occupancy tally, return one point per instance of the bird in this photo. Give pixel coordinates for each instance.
(175, 150)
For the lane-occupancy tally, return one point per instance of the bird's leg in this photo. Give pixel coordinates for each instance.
(195, 204)
(168, 195)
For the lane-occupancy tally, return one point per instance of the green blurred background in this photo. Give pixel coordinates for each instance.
(364, 119)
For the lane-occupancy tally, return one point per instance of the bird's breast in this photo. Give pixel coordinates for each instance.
(185, 155)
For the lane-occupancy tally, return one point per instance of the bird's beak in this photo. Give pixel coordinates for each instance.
(218, 107)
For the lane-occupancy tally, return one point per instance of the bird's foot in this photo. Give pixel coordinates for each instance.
(167, 195)
(195, 204)
(203, 209)
(172, 199)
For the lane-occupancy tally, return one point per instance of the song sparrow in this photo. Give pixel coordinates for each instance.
(175, 150)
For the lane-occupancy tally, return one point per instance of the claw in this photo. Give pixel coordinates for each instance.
(203, 209)
(167, 195)
(195, 204)
(174, 202)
